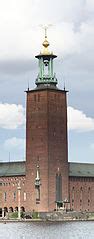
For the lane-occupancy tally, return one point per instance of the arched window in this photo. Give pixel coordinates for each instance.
(10, 209)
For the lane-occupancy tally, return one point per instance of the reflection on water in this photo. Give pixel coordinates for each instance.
(40, 230)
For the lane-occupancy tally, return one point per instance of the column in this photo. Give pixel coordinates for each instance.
(2, 212)
(19, 201)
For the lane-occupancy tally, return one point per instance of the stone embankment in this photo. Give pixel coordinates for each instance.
(54, 216)
(67, 216)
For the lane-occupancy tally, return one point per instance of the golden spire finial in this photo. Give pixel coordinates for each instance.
(45, 29)
(45, 43)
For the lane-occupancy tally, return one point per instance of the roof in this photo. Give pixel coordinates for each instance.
(12, 169)
(43, 87)
(19, 168)
(81, 169)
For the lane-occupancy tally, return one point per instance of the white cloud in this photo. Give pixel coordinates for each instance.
(18, 21)
(92, 146)
(14, 144)
(77, 120)
(12, 116)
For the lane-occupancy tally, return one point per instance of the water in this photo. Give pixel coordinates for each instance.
(40, 230)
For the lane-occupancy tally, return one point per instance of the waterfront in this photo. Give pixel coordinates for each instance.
(46, 230)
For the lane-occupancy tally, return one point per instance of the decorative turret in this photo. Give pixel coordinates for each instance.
(46, 75)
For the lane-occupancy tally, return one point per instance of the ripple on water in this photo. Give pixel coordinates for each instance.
(45, 230)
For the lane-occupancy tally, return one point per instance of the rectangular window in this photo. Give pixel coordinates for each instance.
(58, 187)
(35, 98)
(24, 196)
(38, 97)
(5, 196)
(0, 197)
(14, 196)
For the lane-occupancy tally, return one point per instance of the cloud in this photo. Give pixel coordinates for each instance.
(12, 116)
(14, 144)
(78, 121)
(20, 66)
(92, 146)
(20, 20)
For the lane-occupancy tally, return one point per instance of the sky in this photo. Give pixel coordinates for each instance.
(71, 37)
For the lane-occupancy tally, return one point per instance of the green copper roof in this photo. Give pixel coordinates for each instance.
(12, 169)
(81, 169)
(18, 169)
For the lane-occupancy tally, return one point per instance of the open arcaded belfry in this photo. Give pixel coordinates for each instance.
(46, 181)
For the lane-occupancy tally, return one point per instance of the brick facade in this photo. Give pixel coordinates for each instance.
(9, 192)
(81, 193)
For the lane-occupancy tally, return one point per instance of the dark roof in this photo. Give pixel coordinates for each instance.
(46, 56)
(43, 87)
(18, 169)
(81, 169)
(12, 169)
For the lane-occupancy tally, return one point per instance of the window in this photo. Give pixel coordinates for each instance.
(14, 196)
(55, 96)
(34, 97)
(38, 97)
(58, 187)
(24, 196)
(5, 196)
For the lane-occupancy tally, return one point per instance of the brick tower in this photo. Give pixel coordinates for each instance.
(46, 139)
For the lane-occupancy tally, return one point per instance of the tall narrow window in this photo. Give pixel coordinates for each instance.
(14, 196)
(5, 196)
(24, 196)
(35, 98)
(38, 97)
(58, 187)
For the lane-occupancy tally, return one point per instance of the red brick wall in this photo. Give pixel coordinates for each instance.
(10, 185)
(46, 145)
(81, 193)
(36, 148)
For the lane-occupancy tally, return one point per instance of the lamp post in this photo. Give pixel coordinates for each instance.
(19, 200)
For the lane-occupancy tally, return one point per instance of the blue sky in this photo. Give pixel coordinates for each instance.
(71, 37)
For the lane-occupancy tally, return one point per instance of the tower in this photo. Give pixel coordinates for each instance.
(46, 138)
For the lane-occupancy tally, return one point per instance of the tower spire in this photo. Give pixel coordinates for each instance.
(45, 43)
(45, 28)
